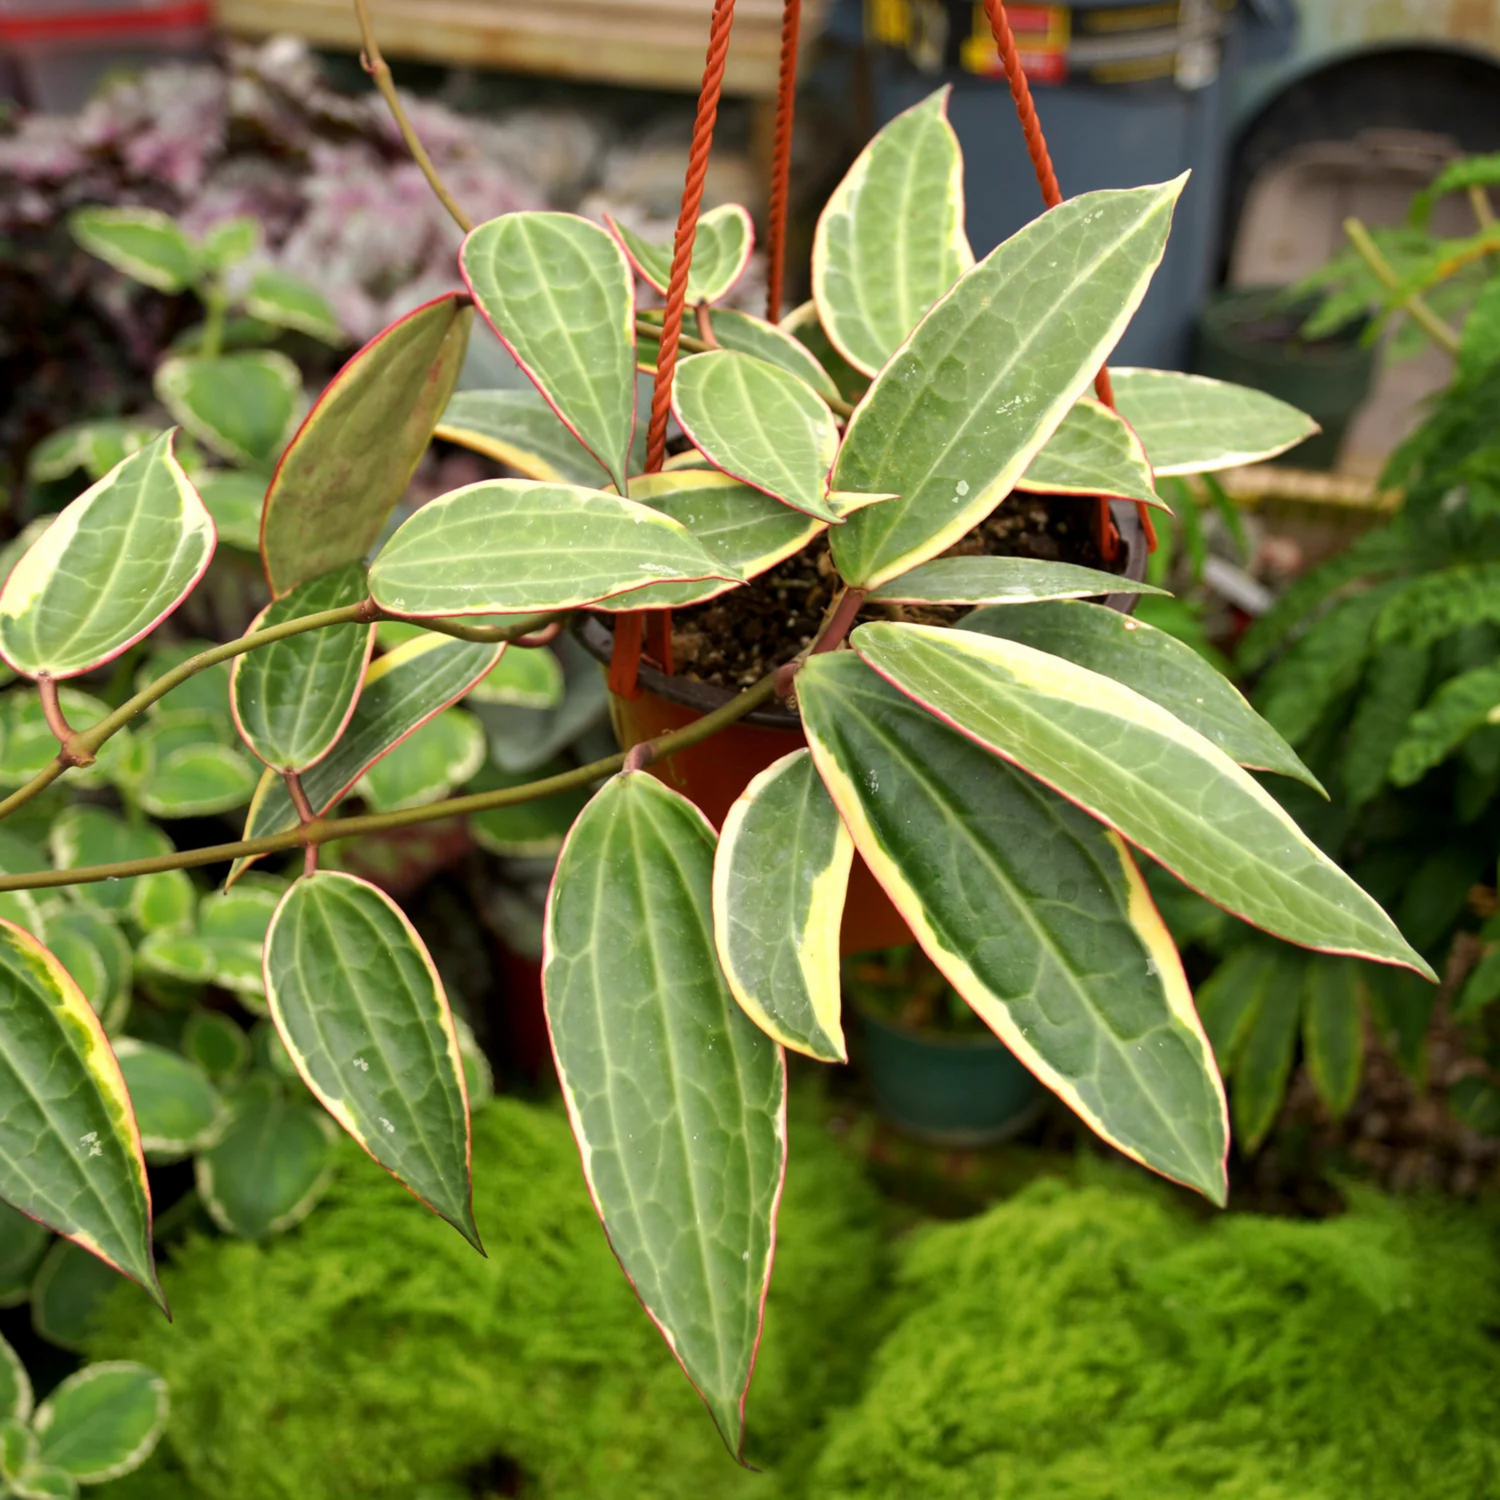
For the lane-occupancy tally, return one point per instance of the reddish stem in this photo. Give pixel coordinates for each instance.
(781, 160)
(305, 816)
(57, 722)
(543, 637)
(841, 621)
(687, 227)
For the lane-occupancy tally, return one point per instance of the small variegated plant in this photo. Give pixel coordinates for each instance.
(997, 777)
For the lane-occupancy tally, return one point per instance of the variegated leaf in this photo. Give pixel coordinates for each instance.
(722, 244)
(1002, 581)
(1094, 452)
(244, 406)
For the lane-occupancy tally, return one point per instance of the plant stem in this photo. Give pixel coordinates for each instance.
(520, 632)
(57, 722)
(215, 305)
(1412, 302)
(378, 69)
(1479, 201)
(321, 831)
(305, 815)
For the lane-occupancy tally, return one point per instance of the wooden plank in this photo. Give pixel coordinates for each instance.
(646, 43)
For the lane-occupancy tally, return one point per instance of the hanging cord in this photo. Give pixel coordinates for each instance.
(781, 160)
(637, 628)
(1046, 178)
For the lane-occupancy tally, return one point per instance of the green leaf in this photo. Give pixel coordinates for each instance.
(745, 529)
(1157, 667)
(213, 1041)
(176, 1107)
(15, 1385)
(722, 244)
(1135, 766)
(1391, 694)
(293, 698)
(891, 239)
(166, 898)
(104, 1421)
(18, 1450)
(530, 678)
(83, 834)
(23, 1242)
(68, 1294)
(803, 325)
(957, 415)
(677, 1100)
(1036, 915)
(146, 245)
(45, 1483)
(233, 498)
(27, 743)
(94, 951)
(1094, 452)
(287, 301)
(1002, 581)
(230, 241)
(205, 692)
(1456, 710)
(1333, 1035)
(108, 570)
(559, 293)
(172, 954)
(361, 1010)
(243, 406)
(354, 456)
(1437, 604)
(70, 1155)
(402, 690)
(444, 753)
(780, 875)
(1265, 1056)
(197, 781)
(527, 830)
(761, 425)
(271, 1165)
(744, 334)
(1190, 424)
(94, 447)
(495, 548)
(519, 429)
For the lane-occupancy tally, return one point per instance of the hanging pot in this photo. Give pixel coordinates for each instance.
(714, 773)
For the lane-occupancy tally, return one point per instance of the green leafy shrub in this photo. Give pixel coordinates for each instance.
(1098, 1343)
(308, 1367)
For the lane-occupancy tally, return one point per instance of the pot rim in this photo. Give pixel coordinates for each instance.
(705, 697)
(980, 1041)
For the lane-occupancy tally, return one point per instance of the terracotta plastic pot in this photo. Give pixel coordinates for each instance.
(713, 774)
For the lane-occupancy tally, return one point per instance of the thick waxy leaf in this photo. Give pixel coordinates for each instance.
(1002, 580)
(94, 447)
(23, 1242)
(43, 1482)
(1163, 785)
(352, 458)
(213, 1041)
(518, 428)
(1094, 452)
(94, 951)
(70, 1155)
(1156, 665)
(760, 424)
(803, 325)
(270, 1166)
(197, 781)
(891, 240)
(1037, 916)
(83, 834)
(526, 830)
(741, 526)
(522, 546)
(18, 1446)
(444, 753)
(293, 698)
(361, 1010)
(143, 243)
(677, 1100)
(284, 300)
(721, 250)
(27, 743)
(402, 691)
(750, 335)
(243, 406)
(177, 1108)
(102, 1422)
(559, 293)
(780, 875)
(113, 564)
(1333, 1036)
(234, 500)
(1189, 424)
(524, 678)
(15, 1385)
(957, 415)
(69, 1292)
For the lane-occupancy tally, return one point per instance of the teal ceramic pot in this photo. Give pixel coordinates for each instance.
(951, 1090)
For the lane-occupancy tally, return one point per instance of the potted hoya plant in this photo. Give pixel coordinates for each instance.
(996, 773)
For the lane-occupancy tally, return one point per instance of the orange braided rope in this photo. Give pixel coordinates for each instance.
(1046, 178)
(781, 160)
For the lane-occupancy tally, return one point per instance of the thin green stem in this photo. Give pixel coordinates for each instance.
(215, 306)
(325, 831)
(522, 626)
(1412, 302)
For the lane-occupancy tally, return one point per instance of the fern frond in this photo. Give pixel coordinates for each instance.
(1462, 705)
(1392, 691)
(1427, 609)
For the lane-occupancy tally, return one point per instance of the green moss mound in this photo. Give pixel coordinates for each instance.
(372, 1353)
(1097, 1343)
